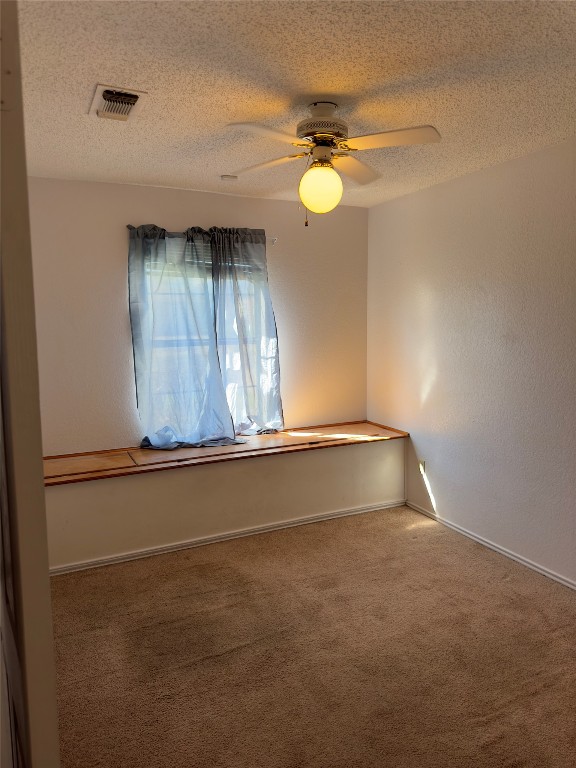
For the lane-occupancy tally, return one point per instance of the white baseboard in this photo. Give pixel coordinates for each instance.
(136, 555)
(496, 547)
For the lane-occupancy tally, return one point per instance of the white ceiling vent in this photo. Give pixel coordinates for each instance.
(116, 103)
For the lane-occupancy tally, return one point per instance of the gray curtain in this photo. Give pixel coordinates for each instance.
(204, 335)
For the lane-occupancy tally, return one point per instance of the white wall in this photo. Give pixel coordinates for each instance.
(80, 245)
(472, 349)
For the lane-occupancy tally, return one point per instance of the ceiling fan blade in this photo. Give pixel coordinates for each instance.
(356, 169)
(268, 164)
(271, 133)
(423, 134)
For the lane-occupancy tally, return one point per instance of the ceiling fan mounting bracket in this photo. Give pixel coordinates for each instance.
(323, 127)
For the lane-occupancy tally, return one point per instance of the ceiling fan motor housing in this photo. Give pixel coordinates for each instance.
(323, 127)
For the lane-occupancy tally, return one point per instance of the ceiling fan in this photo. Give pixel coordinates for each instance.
(323, 139)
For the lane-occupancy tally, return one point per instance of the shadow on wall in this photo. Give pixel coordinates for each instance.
(419, 491)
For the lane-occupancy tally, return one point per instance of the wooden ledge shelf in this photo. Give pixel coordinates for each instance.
(81, 467)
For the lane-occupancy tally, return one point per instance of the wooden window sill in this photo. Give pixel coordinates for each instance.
(81, 467)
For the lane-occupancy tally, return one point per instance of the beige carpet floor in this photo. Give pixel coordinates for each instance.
(383, 640)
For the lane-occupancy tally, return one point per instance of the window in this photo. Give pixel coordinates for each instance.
(204, 335)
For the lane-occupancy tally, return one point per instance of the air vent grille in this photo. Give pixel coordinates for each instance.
(117, 104)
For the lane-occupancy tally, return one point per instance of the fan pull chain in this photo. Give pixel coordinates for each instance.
(306, 209)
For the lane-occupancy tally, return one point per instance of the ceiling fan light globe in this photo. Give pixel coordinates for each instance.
(320, 188)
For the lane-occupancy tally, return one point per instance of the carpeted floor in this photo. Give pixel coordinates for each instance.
(383, 640)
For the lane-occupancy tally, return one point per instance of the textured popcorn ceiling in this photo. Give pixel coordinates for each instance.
(497, 79)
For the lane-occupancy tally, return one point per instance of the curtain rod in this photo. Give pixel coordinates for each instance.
(270, 238)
